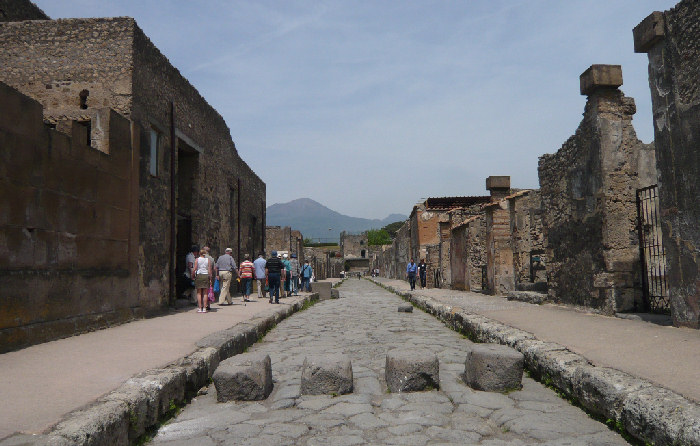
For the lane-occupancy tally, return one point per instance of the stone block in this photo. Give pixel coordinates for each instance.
(326, 374)
(335, 294)
(323, 289)
(649, 32)
(498, 182)
(600, 76)
(405, 308)
(493, 368)
(245, 377)
(412, 370)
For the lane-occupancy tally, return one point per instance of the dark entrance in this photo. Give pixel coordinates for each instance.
(651, 251)
(187, 168)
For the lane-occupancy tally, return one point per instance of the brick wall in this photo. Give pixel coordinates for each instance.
(16, 10)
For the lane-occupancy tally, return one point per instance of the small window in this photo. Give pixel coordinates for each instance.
(154, 141)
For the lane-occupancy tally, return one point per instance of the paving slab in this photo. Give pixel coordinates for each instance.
(44, 382)
(667, 356)
(365, 326)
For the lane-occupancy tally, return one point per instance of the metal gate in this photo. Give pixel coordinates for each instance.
(651, 250)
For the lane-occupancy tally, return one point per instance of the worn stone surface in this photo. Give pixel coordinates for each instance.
(493, 368)
(411, 370)
(672, 41)
(245, 377)
(405, 308)
(588, 194)
(326, 374)
(532, 297)
(650, 413)
(107, 224)
(366, 329)
(323, 289)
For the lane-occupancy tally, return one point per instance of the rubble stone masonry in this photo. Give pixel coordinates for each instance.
(588, 192)
(672, 41)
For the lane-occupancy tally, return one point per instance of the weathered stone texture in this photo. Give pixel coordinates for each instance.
(672, 41)
(494, 368)
(527, 239)
(410, 370)
(76, 68)
(244, 377)
(353, 245)
(589, 207)
(326, 374)
(65, 222)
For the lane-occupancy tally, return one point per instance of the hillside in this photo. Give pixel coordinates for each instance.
(315, 220)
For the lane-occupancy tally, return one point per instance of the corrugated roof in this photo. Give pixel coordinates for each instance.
(454, 202)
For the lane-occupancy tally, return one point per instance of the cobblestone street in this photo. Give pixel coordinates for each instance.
(364, 324)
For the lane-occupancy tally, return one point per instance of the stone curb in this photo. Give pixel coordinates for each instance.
(648, 412)
(124, 415)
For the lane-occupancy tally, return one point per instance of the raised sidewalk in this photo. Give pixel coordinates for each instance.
(43, 384)
(582, 354)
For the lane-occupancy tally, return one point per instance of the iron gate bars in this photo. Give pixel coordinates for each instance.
(651, 250)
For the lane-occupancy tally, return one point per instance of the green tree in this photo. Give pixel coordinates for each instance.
(378, 237)
(392, 228)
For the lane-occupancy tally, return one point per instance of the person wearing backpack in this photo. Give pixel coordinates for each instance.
(306, 273)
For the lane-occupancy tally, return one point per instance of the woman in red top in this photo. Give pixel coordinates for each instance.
(245, 272)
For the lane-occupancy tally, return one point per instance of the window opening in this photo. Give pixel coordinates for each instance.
(154, 141)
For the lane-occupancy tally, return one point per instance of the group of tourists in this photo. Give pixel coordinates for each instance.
(413, 270)
(275, 275)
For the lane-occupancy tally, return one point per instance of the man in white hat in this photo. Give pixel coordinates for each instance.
(225, 267)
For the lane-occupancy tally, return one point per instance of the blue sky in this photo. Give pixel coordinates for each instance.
(369, 106)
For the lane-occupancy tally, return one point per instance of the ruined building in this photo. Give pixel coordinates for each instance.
(672, 41)
(588, 193)
(99, 221)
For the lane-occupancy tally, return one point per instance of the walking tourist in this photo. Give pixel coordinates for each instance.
(225, 267)
(294, 265)
(411, 269)
(245, 272)
(422, 269)
(189, 264)
(305, 274)
(260, 275)
(274, 269)
(202, 273)
(287, 277)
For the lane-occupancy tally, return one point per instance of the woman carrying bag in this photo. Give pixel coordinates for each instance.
(202, 273)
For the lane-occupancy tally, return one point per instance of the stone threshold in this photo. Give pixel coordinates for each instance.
(124, 415)
(647, 411)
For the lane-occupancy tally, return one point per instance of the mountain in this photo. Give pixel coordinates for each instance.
(316, 221)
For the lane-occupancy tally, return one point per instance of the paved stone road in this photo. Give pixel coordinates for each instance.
(365, 324)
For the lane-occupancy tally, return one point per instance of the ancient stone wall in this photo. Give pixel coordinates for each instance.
(353, 245)
(672, 41)
(76, 66)
(278, 238)
(588, 191)
(527, 240)
(68, 227)
(18, 10)
(468, 253)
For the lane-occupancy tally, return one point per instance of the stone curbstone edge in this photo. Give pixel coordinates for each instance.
(125, 414)
(648, 412)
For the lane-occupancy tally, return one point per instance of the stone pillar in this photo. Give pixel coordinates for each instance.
(499, 253)
(672, 44)
(588, 193)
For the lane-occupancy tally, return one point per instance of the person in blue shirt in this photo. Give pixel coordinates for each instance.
(411, 270)
(306, 273)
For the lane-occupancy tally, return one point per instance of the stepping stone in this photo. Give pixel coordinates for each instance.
(244, 377)
(335, 294)
(326, 374)
(405, 308)
(494, 368)
(412, 370)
